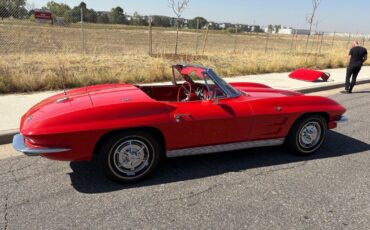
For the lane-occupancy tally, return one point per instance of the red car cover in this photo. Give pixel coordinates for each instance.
(309, 75)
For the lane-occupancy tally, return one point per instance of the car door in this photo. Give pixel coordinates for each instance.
(205, 123)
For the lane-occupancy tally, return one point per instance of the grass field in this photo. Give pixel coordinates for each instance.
(37, 57)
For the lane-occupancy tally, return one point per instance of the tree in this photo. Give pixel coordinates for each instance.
(14, 8)
(58, 9)
(83, 5)
(270, 28)
(116, 16)
(161, 21)
(178, 7)
(103, 18)
(138, 20)
(90, 16)
(311, 18)
(194, 22)
(74, 15)
(277, 28)
(4, 12)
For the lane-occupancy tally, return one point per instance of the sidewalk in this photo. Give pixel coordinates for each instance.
(13, 106)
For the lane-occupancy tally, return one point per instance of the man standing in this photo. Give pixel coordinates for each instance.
(357, 57)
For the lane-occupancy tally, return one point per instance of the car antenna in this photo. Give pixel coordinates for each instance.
(64, 86)
(65, 98)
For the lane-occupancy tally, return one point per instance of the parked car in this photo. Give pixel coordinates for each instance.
(130, 128)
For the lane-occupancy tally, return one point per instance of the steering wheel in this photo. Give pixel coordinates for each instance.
(202, 93)
(186, 89)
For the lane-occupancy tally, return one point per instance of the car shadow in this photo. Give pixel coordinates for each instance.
(86, 177)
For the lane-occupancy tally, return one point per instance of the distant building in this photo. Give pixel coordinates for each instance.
(290, 30)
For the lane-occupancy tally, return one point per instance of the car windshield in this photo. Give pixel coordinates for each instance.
(195, 74)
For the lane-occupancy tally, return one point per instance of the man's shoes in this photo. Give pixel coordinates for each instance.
(345, 92)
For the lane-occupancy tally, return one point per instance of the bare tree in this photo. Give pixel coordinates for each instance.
(178, 7)
(311, 18)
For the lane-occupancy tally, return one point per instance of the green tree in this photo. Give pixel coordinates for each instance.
(116, 16)
(74, 15)
(58, 9)
(193, 23)
(83, 5)
(103, 18)
(270, 28)
(138, 20)
(14, 8)
(277, 28)
(4, 12)
(90, 16)
(161, 21)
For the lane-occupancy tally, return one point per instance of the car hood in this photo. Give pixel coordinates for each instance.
(78, 102)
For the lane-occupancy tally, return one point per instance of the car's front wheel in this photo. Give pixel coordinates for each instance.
(130, 156)
(307, 134)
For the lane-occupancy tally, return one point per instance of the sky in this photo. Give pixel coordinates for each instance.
(333, 15)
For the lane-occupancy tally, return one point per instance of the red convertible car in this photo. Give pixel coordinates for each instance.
(130, 128)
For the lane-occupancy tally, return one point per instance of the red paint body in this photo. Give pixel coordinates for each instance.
(309, 75)
(90, 113)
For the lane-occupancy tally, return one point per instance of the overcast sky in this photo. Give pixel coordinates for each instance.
(333, 15)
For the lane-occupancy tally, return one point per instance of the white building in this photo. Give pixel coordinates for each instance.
(286, 30)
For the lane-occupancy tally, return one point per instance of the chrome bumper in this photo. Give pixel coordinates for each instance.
(19, 145)
(343, 119)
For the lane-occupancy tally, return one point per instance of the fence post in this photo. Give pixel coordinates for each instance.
(197, 37)
(150, 52)
(332, 42)
(321, 43)
(363, 41)
(292, 41)
(349, 40)
(82, 31)
(235, 37)
(205, 39)
(267, 41)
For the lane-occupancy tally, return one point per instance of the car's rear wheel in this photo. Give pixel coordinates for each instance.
(130, 156)
(307, 134)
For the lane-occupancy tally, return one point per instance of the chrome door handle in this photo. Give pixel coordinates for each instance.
(179, 116)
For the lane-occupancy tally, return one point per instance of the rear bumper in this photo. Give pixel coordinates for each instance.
(20, 146)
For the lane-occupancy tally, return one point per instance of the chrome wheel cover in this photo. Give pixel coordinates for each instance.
(131, 156)
(310, 135)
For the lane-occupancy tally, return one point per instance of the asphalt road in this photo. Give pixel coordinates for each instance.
(252, 189)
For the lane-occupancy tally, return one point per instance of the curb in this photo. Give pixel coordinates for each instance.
(6, 137)
(329, 87)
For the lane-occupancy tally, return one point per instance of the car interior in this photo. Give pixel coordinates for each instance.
(186, 87)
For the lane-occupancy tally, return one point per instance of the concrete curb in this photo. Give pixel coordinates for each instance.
(6, 136)
(329, 87)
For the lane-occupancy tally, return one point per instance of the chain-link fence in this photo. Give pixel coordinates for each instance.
(39, 31)
(39, 48)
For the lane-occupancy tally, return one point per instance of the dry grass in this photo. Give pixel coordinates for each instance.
(36, 72)
(36, 57)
